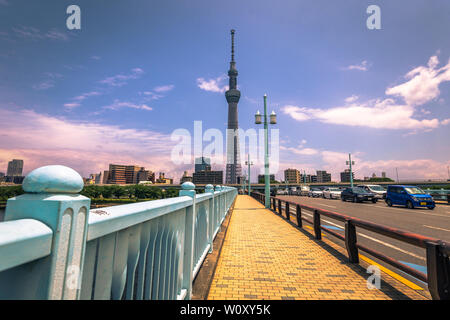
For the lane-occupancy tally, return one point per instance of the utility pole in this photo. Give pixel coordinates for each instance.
(396, 171)
(249, 163)
(350, 163)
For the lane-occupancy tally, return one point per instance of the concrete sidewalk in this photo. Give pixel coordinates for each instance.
(264, 257)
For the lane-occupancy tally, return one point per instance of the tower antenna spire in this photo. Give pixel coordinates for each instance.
(232, 45)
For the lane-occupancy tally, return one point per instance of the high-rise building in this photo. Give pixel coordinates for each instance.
(233, 166)
(15, 168)
(202, 164)
(292, 176)
(323, 176)
(207, 177)
(345, 176)
(122, 174)
(383, 174)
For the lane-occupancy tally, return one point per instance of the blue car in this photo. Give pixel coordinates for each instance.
(409, 196)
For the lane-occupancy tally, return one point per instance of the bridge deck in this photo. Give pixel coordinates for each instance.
(264, 257)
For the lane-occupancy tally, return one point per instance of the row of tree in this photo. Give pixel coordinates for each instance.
(106, 192)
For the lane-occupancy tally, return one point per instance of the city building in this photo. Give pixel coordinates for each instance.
(15, 168)
(207, 177)
(292, 176)
(233, 166)
(202, 164)
(323, 176)
(383, 174)
(163, 180)
(105, 178)
(261, 178)
(145, 176)
(345, 176)
(186, 178)
(2, 174)
(123, 174)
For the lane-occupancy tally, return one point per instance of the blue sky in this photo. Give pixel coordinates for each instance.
(115, 90)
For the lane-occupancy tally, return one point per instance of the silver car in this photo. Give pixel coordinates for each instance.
(332, 193)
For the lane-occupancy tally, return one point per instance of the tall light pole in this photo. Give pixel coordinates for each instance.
(350, 163)
(273, 120)
(249, 163)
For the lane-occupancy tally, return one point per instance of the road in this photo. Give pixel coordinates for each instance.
(433, 223)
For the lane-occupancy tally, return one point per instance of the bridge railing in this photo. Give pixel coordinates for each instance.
(437, 251)
(52, 246)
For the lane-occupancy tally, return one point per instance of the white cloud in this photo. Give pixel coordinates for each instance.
(423, 83)
(36, 34)
(85, 146)
(213, 85)
(95, 57)
(164, 88)
(71, 105)
(383, 114)
(86, 95)
(44, 85)
(363, 66)
(122, 79)
(124, 104)
(351, 99)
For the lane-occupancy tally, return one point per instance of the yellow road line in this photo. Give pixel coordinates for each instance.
(394, 275)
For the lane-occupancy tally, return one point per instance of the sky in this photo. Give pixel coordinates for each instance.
(115, 90)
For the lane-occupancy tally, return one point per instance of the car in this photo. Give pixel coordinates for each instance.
(332, 193)
(303, 191)
(356, 194)
(315, 192)
(409, 196)
(282, 192)
(292, 191)
(379, 191)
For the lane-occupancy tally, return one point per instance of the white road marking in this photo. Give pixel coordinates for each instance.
(327, 205)
(436, 228)
(375, 240)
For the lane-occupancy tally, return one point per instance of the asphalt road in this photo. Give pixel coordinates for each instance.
(433, 223)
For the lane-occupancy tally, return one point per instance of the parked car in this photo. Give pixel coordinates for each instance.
(409, 196)
(332, 193)
(303, 191)
(315, 192)
(292, 191)
(378, 190)
(282, 192)
(357, 195)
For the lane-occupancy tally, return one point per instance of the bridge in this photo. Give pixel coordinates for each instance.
(53, 246)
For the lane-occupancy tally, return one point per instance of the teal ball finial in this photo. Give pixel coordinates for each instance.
(188, 186)
(53, 179)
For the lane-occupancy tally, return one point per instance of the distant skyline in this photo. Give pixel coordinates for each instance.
(114, 91)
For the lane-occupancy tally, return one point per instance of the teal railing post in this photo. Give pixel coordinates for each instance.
(51, 196)
(210, 189)
(188, 189)
(221, 206)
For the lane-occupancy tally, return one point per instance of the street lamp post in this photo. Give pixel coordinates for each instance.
(273, 120)
(249, 163)
(350, 163)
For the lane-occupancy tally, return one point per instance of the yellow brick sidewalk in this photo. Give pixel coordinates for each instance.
(264, 257)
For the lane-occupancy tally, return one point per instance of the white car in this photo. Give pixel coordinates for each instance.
(315, 192)
(303, 191)
(332, 193)
(283, 192)
(379, 191)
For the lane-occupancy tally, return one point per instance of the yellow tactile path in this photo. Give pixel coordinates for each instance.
(264, 257)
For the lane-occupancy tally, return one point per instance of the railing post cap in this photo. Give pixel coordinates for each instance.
(209, 187)
(188, 186)
(218, 187)
(53, 179)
